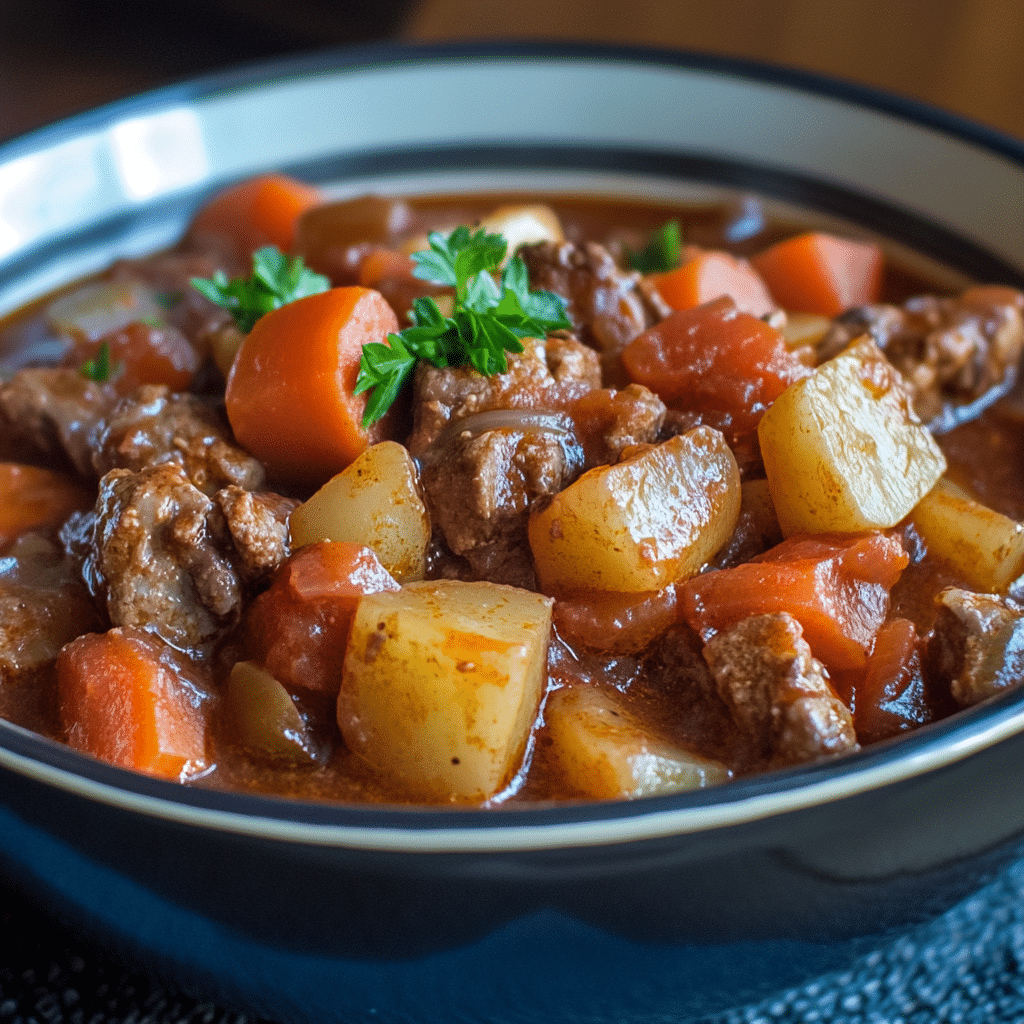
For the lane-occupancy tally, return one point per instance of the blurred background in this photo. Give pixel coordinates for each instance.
(61, 56)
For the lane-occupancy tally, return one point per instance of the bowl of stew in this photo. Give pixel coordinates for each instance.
(507, 531)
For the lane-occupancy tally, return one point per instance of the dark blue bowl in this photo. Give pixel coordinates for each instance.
(670, 907)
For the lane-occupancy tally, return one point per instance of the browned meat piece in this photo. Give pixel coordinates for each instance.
(546, 377)
(608, 422)
(152, 426)
(479, 489)
(43, 605)
(258, 524)
(779, 694)
(957, 354)
(605, 304)
(160, 557)
(977, 644)
(50, 412)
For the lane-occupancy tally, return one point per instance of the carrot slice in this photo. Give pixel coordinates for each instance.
(715, 358)
(381, 264)
(128, 698)
(289, 393)
(710, 275)
(257, 212)
(298, 629)
(820, 273)
(32, 498)
(836, 587)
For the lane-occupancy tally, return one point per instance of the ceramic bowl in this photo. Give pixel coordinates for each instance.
(666, 908)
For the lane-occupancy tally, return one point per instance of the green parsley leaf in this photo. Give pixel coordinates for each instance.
(99, 369)
(275, 281)
(488, 319)
(663, 252)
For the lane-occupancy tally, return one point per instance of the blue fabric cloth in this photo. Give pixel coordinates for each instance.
(966, 967)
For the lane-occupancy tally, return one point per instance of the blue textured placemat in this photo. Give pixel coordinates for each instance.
(966, 967)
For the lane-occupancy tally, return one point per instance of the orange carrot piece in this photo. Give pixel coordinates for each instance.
(128, 698)
(836, 587)
(257, 212)
(890, 698)
(33, 498)
(298, 629)
(289, 393)
(615, 623)
(710, 275)
(820, 273)
(714, 358)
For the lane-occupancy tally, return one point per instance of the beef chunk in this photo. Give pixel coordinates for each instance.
(152, 426)
(977, 644)
(608, 421)
(480, 490)
(957, 354)
(606, 305)
(547, 377)
(43, 606)
(49, 413)
(160, 557)
(779, 694)
(258, 524)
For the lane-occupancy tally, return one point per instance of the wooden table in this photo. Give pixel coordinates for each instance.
(59, 56)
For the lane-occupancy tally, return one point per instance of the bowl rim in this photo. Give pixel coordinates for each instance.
(523, 827)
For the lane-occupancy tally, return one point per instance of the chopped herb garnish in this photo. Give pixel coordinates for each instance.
(99, 369)
(275, 281)
(663, 252)
(488, 319)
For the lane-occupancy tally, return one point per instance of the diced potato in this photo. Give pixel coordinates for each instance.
(603, 753)
(98, 308)
(985, 547)
(843, 450)
(442, 685)
(641, 524)
(263, 717)
(374, 502)
(520, 225)
(524, 225)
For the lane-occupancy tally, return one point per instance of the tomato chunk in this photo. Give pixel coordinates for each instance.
(714, 358)
(836, 587)
(891, 698)
(615, 623)
(299, 628)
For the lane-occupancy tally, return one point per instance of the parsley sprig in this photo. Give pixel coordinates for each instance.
(664, 250)
(99, 369)
(488, 319)
(276, 280)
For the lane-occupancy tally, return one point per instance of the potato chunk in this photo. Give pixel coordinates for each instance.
(985, 547)
(375, 502)
(442, 684)
(844, 451)
(603, 753)
(641, 524)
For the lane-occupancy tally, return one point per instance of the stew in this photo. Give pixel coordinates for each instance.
(491, 500)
